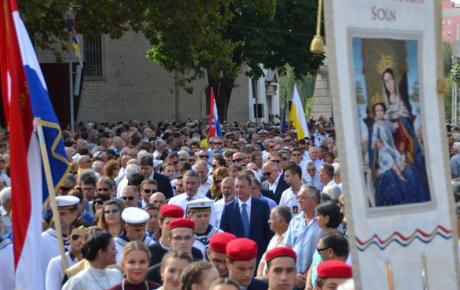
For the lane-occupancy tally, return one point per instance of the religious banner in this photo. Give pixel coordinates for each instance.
(385, 66)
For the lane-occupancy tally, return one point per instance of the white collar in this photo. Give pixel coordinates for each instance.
(247, 202)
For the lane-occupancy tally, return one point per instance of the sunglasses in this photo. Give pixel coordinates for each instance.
(321, 249)
(63, 188)
(127, 197)
(275, 161)
(149, 190)
(238, 160)
(203, 156)
(102, 189)
(267, 173)
(114, 211)
(75, 237)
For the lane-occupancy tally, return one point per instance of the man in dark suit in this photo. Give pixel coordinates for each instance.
(246, 216)
(241, 263)
(164, 184)
(275, 180)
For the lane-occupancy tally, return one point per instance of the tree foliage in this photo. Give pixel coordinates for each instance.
(214, 39)
(46, 23)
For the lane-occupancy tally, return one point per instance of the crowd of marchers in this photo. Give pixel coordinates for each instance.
(163, 206)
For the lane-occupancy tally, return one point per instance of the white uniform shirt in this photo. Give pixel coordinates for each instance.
(94, 279)
(7, 275)
(55, 274)
(181, 200)
(50, 247)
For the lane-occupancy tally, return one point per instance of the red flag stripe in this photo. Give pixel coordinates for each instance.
(212, 128)
(19, 112)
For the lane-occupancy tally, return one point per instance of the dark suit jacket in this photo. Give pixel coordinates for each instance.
(282, 186)
(257, 284)
(164, 184)
(259, 229)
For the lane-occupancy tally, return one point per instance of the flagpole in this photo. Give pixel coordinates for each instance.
(51, 193)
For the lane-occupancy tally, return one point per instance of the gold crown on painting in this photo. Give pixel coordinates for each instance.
(385, 62)
(376, 98)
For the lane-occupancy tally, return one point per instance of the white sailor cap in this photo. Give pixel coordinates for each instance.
(135, 216)
(67, 201)
(202, 203)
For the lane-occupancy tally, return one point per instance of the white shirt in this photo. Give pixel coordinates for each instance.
(203, 189)
(7, 275)
(55, 274)
(274, 185)
(289, 199)
(94, 279)
(50, 247)
(181, 200)
(121, 186)
(248, 207)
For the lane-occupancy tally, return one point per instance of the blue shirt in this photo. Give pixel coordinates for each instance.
(271, 202)
(455, 165)
(303, 239)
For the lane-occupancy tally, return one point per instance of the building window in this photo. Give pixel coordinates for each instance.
(93, 56)
(443, 21)
(449, 33)
(449, 22)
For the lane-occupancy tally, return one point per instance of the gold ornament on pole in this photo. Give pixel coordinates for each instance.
(317, 44)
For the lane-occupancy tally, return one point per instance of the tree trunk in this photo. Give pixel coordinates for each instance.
(222, 93)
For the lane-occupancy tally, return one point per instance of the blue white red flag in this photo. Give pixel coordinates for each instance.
(214, 122)
(25, 97)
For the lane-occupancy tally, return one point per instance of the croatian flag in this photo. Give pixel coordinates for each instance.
(25, 97)
(214, 123)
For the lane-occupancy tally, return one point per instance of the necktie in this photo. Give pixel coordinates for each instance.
(245, 218)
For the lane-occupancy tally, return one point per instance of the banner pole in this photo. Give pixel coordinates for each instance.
(52, 195)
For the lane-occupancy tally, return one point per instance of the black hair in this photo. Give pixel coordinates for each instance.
(295, 169)
(99, 241)
(146, 161)
(332, 210)
(328, 169)
(337, 243)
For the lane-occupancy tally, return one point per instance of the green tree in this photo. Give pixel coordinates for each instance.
(46, 24)
(305, 85)
(214, 39)
(447, 57)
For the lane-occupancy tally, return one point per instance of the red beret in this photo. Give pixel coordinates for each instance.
(241, 249)
(280, 252)
(334, 269)
(171, 210)
(218, 242)
(181, 223)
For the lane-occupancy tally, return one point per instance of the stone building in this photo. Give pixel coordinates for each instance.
(120, 83)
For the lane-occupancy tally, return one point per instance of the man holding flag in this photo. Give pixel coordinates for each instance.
(25, 98)
(297, 116)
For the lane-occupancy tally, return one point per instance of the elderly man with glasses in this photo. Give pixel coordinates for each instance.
(303, 232)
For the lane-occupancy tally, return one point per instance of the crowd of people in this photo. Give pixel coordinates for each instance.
(163, 206)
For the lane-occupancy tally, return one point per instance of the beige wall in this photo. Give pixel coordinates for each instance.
(133, 87)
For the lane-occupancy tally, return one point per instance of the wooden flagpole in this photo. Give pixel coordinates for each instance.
(52, 195)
